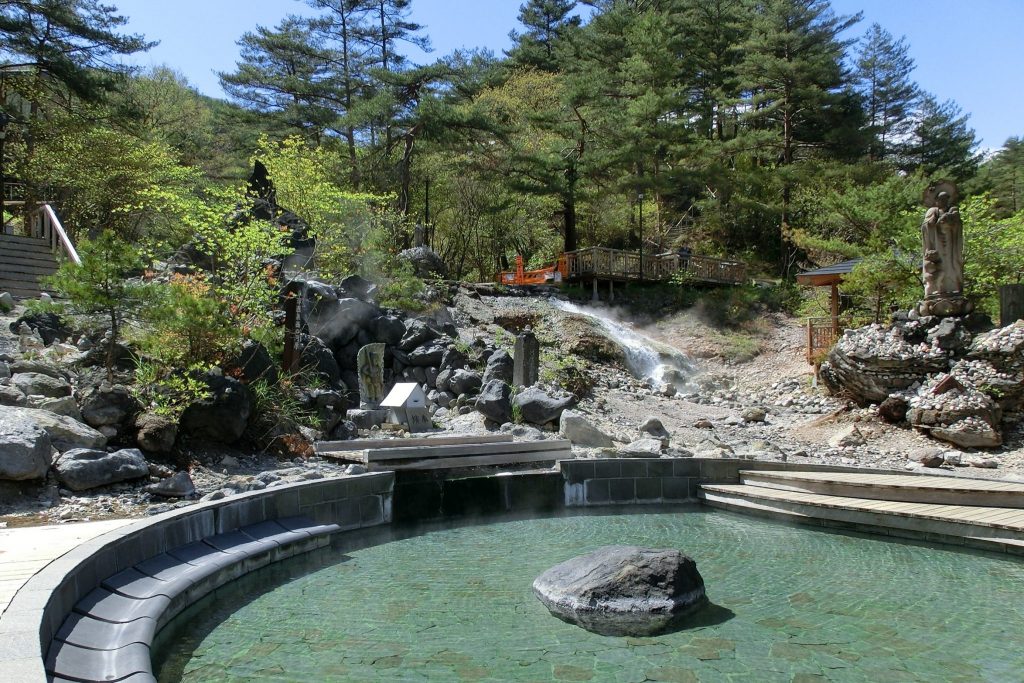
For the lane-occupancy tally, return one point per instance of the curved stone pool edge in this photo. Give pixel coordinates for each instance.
(40, 607)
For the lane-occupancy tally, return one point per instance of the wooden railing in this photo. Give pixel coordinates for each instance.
(616, 264)
(43, 223)
(822, 333)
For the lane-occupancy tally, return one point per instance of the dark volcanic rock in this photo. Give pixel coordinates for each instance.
(255, 363)
(178, 485)
(156, 432)
(495, 401)
(538, 407)
(49, 326)
(223, 416)
(499, 366)
(425, 261)
(429, 354)
(623, 590)
(893, 409)
(416, 334)
(108, 405)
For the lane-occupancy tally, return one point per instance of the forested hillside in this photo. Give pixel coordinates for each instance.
(770, 130)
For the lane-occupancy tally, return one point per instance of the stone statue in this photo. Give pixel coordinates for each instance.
(942, 236)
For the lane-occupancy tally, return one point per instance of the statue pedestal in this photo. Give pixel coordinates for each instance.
(945, 305)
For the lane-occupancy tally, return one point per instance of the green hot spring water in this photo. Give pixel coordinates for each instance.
(455, 604)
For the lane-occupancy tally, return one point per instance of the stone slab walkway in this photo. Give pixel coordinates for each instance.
(26, 550)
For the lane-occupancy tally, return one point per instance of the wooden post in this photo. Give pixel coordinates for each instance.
(611, 291)
(291, 313)
(1011, 304)
(596, 297)
(810, 341)
(835, 309)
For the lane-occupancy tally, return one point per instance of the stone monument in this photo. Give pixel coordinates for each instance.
(526, 360)
(370, 365)
(942, 236)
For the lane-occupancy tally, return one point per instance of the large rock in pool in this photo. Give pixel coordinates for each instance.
(623, 590)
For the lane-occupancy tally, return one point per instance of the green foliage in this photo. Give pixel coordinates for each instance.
(278, 409)
(102, 284)
(168, 392)
(187, 325)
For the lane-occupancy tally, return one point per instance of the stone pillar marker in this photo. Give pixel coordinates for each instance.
(526, 360)
(370, 367)
(1011, 304)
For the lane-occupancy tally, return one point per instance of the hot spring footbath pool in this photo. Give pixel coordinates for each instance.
(454, 603)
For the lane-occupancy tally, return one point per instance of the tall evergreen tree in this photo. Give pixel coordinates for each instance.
(1003, 176)
(74, 41)
(883, 73)
(547, 23)
(793, 72)
(284, 72)
(942, 141)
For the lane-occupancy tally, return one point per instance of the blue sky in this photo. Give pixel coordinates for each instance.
(966, 51)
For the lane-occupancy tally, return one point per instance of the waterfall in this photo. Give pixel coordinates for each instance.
(646, 358)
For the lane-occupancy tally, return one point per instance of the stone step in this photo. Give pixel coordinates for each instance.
(992, 528)
(908, 488)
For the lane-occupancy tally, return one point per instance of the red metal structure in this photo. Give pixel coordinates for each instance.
(552, 275)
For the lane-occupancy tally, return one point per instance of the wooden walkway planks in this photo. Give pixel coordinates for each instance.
(896, 480)
(994, 517)
(328, 447)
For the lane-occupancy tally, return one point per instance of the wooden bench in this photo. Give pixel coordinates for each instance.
(466, 455)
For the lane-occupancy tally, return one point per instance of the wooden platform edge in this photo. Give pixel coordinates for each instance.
(475, 461)
(464, 450)
(328, 447)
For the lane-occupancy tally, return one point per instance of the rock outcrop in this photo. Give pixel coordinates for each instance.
(623, 590)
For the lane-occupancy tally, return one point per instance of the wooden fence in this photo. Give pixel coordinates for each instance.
(619, 265)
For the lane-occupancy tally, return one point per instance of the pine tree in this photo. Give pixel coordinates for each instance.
(793, 72)
(1003, 177)
(547, 23)
(74, 41)
(285, 72)
(942, 142)
(883, 78)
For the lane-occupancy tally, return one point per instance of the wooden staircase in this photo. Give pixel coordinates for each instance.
(23, 261)
(975, 512)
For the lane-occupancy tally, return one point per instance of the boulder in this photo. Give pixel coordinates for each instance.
(359, 287)
(255, 363)
(367, 419)
(416, 334)
(157, 433)
(754, 414)
(465, 382)
(929, 457)
(179, 485)
(24, 449)
(425, 262)
(108, 405)
(575, 427)
(338, 321)
(893, 409)
(387, 329)
(453, 358)
(48, 326)
(623, 590)
(430, 353)
(223, 415)
(81, 469)
(499, 366)
(5, 370)
(652, 426)
(645, 447)
(11, 396)
(39, 367)
(6, 302)
(494, 401)
(538, 407)
(314, 356)
(849, 436)
(64, 405)
(36, 384)
(968, 433)
(64, 432)
(870, 363)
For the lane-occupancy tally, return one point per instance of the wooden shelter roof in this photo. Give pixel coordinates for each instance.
(829, 275)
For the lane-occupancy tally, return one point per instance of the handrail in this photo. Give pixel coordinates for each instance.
(46, 225)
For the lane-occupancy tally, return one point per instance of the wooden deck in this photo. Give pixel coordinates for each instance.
(598, 263)
(975, 512)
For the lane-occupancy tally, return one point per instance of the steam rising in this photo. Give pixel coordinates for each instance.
(646, 358)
